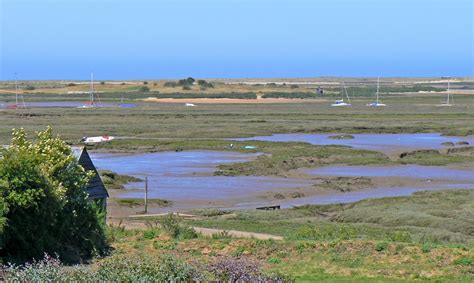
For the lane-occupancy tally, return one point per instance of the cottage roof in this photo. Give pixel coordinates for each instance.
(95, 188)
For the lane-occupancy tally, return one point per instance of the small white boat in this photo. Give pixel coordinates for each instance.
(377, 103)
(189, 105)
(341, 102)
(96, 140)
(91, 103)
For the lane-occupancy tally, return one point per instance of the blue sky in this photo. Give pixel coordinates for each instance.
(143, 39)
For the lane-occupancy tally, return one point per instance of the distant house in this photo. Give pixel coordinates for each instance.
(95, 188)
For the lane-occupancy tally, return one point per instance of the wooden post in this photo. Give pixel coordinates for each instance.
(146, 194)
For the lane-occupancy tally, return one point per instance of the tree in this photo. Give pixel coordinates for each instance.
(144, 88)
(43, 187)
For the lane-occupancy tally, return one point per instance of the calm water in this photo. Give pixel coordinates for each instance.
(186, 178)
(405, 171)
(379, 142)
(179, 175)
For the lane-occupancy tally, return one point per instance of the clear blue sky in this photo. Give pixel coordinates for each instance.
(139, 39)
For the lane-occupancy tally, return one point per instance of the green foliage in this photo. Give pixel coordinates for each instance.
(186, 82)
(289, 95)
(466, 261)
(144, 88)
(116, 181)
(150, 233)
(133, 202)
(274, 260)
(325, 232)
(205, 84)
(43, 187)
(30, 87)
(171, 225)
(381, 246)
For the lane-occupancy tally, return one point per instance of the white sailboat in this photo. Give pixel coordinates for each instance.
(17, 105)
(341, 102)
(91, 95)
(377, 102)
(449, 99)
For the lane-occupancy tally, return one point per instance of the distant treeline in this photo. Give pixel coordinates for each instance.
(290, 95)
(187, 83)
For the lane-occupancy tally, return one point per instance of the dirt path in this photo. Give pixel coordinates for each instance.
(204, 231)
(237, 234)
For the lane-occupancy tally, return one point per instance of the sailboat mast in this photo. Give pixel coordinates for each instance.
(92, 89)
(447, 101)
(16, 91)
(378, 81)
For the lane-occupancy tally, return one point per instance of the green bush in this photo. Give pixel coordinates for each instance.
(144, 88)
(381, 246)
(43, 187)
(171, 225)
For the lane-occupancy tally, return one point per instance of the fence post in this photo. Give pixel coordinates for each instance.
(146, 194)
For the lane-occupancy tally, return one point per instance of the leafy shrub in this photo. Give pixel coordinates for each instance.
(466, 261)
(186, 82)
(325, 232)
(171, 225)
(205, 84)
(381, 246)
(164, 245)
(144, 88)
(30, 87)
(274, 260)
(43, 187)
(171, 84)
(150, 233)
(71, 84)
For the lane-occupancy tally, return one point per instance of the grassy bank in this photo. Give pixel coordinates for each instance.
(424, 237)
(425, 217)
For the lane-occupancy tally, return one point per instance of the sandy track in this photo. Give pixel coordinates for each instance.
(205, 231)
(237, 234)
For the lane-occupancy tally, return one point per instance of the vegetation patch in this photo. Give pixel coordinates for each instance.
(437, 158)
(283, 157)
(114, 181)
(134, 202)
(346, 184)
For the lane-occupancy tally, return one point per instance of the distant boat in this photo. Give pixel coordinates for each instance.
(96, 140)
(341, 102)
(91, 103)
(17, 105)
(189, 105)
(448, 97)
(377, 102)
